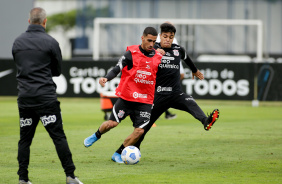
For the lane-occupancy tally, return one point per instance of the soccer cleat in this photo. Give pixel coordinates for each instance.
(24, 182)
(170, 116)
(90, 140)
(117, 158)
(71, 180)
(211, 119)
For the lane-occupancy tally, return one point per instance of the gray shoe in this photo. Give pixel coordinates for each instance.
(71, 180)
(24, 182)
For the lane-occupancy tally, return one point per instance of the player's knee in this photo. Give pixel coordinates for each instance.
(111, 124)
(139, 132)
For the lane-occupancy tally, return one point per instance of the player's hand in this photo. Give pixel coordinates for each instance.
(161, 51)
(198, 74)
(102, 81)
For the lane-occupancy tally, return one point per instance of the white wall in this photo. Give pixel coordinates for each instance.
(14, 15)
(13, 21)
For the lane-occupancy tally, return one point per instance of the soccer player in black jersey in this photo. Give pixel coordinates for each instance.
(168, 92)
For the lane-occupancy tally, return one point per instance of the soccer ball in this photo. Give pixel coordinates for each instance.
(131, 155)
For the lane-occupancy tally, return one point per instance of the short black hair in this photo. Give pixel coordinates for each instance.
(167, 28)
(151, 31)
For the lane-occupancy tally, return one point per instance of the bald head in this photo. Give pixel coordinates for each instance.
(37, 16)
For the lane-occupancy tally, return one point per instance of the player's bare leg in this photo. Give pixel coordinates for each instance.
(133, 138)
(105, 127)
(129, 141)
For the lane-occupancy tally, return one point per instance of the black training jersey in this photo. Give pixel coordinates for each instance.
(168, 75)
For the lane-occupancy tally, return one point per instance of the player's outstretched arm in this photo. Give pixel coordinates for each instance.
(102, 81)
(198, 74)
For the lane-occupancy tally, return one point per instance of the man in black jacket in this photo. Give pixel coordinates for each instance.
(38, 58)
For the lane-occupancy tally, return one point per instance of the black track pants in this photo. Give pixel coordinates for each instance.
(180, 101)
(51, 119)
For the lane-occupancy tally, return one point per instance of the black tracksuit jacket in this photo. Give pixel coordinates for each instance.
(38, 58)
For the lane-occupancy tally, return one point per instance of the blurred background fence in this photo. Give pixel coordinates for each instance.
(229, 52)
(71, 23)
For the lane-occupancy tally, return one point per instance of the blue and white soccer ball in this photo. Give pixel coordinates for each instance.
(131, 155)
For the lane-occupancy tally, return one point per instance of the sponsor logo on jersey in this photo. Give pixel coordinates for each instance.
(46, 120)
(121, 113)
(141, 76)
(176, 52)
(159, 89)
(145, 114)
(167, 59)
(166, 63)
(172, 66)
(142, 81)
(144, 72)
(190, 98)
(25, 122)
(139, 95)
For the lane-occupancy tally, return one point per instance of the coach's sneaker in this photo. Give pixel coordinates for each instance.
(24, 182)
(90, 140)
(71, 180)
(211, 119)
(117, 158)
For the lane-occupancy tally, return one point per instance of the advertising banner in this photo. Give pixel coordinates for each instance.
(232, 81)
(222, 81)
(269, 81)
(8, 82)
(81, 79)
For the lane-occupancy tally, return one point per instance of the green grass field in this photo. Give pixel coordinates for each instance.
(244, 146)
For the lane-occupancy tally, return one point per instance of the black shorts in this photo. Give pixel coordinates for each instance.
(140, 113)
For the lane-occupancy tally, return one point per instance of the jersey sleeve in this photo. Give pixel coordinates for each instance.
(188, 60)
(125, 60)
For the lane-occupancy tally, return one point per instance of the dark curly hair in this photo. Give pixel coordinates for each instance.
(167, 28)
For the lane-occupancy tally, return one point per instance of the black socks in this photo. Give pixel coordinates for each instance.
(98, 134)
(120, 149)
